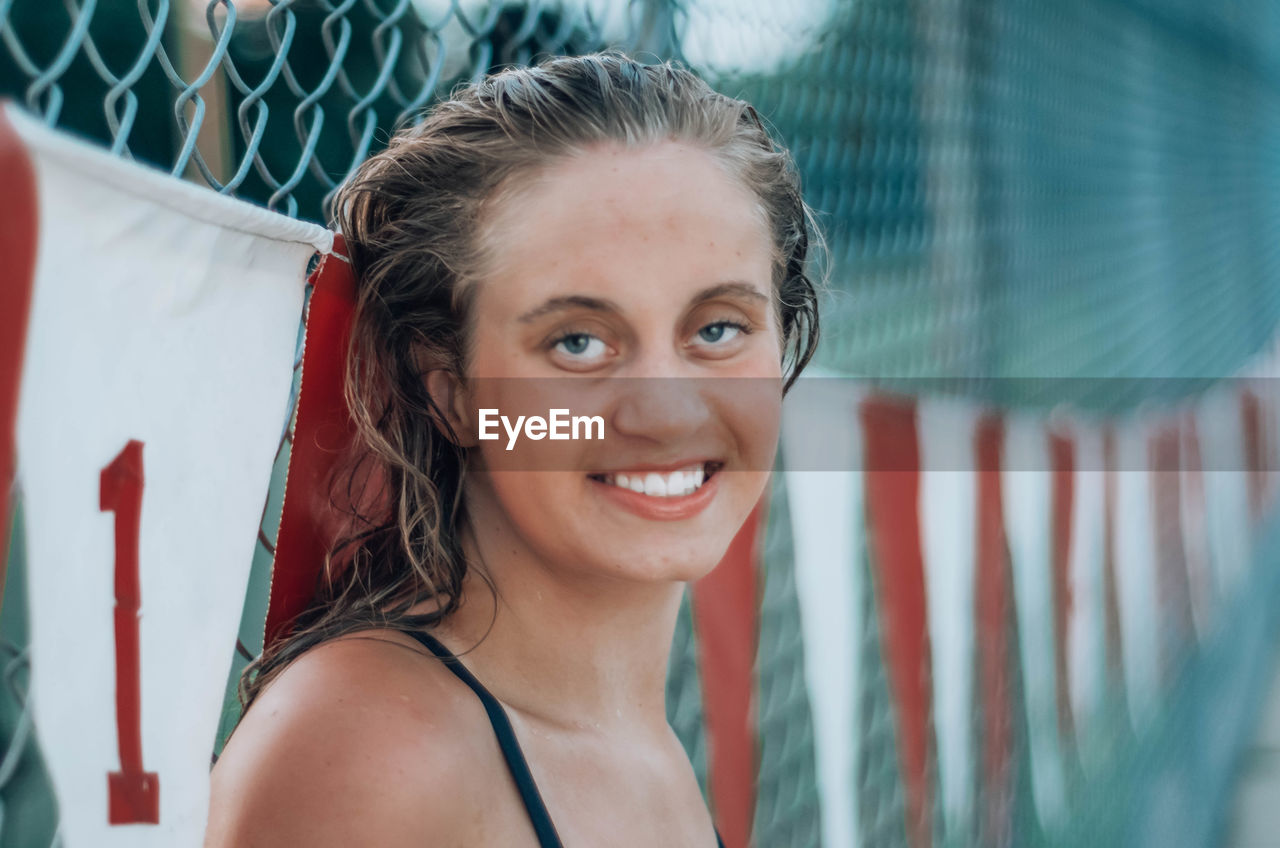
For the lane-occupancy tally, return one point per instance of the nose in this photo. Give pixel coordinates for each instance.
(661, 409)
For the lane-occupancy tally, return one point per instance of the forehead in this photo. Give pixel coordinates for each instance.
(620, 222)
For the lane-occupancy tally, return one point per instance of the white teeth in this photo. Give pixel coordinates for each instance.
(655, 485)
(684, 481)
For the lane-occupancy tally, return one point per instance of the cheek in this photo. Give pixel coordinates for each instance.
(491, 351)
(531, 493)
(750, 411)
(530, 424)
(537, 506)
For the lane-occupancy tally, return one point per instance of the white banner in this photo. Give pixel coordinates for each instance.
(155, 379)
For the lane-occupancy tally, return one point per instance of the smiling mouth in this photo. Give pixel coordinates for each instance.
(669, 484)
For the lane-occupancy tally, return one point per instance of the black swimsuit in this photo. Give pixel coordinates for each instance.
(542, 826)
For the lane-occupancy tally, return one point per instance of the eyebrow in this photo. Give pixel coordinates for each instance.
(595, 304)
(570, 301)
(730, 289)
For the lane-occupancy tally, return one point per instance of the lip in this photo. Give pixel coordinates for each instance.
(660, 508)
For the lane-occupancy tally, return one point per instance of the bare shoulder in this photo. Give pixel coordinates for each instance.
(365, 739)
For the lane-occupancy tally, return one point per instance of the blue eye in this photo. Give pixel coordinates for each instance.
(576, 343)
(721, 331)
(581, 346)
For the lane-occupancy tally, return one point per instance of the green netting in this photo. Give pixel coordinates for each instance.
(27, 807)
(1009, 189)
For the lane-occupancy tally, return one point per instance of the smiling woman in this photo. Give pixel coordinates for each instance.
(619, 225)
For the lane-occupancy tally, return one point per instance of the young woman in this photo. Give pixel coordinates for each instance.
(486, 664)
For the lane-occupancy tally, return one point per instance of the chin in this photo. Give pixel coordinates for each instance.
(597, 529)
(678, 562)
(682, 539)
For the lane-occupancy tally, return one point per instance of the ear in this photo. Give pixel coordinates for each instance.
(454, 402)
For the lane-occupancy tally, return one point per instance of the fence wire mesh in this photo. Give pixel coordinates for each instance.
(1009, 189)
(277, 101)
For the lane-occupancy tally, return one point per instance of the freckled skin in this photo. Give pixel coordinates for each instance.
(648, 237)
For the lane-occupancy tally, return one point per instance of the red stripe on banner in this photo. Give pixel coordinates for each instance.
(726, 607)
(1251, 415)
(992, 602)
(321, 437)
(17, 276)
(1115, 652)
(1062, 453)
(1173, 589)
(893, 507)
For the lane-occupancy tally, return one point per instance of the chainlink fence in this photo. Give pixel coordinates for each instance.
(1009, 189)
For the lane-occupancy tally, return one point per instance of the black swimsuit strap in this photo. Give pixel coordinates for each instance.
(542, 826)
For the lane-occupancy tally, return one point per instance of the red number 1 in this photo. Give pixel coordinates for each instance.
(134, 794)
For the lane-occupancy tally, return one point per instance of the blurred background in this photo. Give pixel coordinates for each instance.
(1055, 210)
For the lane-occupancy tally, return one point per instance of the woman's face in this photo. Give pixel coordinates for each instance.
(635, 285)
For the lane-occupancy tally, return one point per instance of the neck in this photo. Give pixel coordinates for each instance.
(566, 649)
